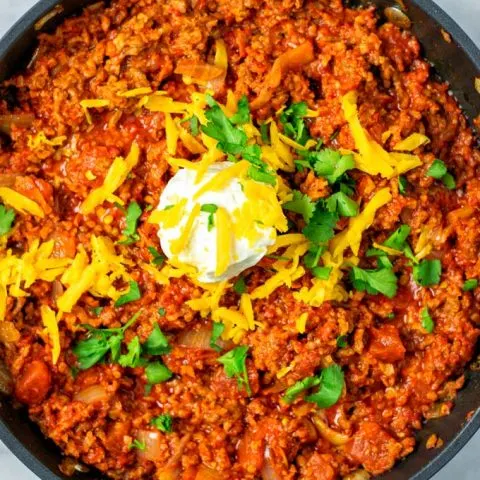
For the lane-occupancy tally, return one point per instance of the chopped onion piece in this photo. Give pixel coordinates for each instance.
(92, 394)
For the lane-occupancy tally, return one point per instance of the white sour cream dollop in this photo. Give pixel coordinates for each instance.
(201, 249)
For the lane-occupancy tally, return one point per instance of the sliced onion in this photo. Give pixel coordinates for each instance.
(202, 72)
(195, 338)
(8, 332)
(335, 438)
(357, 475)
(268, 472)
(19, 120)
(153, 442)
(205, 473)
(169, 473)
(398, 18)
(92, 394)
(6, 382)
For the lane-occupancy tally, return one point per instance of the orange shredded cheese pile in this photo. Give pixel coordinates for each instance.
(20, 202)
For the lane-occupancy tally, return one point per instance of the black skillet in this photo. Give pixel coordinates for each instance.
(457, 61)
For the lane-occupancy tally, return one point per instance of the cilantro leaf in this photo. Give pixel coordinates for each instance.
(292, 119)
(234, 364)
(264, 133)
(132, 357)
(162, 311)
(100, 342)
(402, 185)
(342, 341)
(217, 330)
(449, 181)
(239, 286)
(163, 422)
(301, 204)
(131, 296)
(329, 163)
(157, 372)
(134, 212)
(382, 280)
(313, 255)
(320, 228)
(230, 139)
(261, 176)
(243, 112)
(138, 445)
(209, 208)
(157, 343)
(427, 272)
(398, 238)
(194, 130)
(7, 217)
(331, 387)
(301, 386)
(331, 382)
(427, 321)
(341, 203)
(470, 284)
(437, 169)
(322, 273)
(158, 258)
(96, 311)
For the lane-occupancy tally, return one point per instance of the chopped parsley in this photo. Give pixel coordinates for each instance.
(234, 364)
(382, 280)
(138, 445)
(470, 284)
(427, 272)
(239, 287)
(163, 422)
(217, 330)
(7, 217)
(211, 209)
(158, 258)
(330, 382)
(100, 342)
(157, 372)
(438, 170)
(131, 296)
(157, 342)
(292, 120)
(427, 321)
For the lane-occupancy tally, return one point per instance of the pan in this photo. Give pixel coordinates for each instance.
(454, 57)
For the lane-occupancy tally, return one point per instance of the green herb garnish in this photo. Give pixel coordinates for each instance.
(211, 209)
(157, 372)
(131, 296)
(100, 342)
(132, 357)
(157, 343)
(7, 217)
(234, 364)
(138, 445)
(162, 311)
(427, 272)
(301, 204)
(438, 170)
(292, 119)
(402, 185)
(158, 258)
(470, 284)
(427, 322)
(163, 422)
(243, 112)
(342, 341)
(239, 287)
(382, 280)
(217, 330)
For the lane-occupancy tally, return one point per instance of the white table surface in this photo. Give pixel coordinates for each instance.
(466, 465)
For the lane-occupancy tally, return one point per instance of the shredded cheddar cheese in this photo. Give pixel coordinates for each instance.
(20, 202)
(39, 139)
(50, 323)
(116, 175)
(92, 103)
(412, 142)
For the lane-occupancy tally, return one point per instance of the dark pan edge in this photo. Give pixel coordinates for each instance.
(13, 45)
